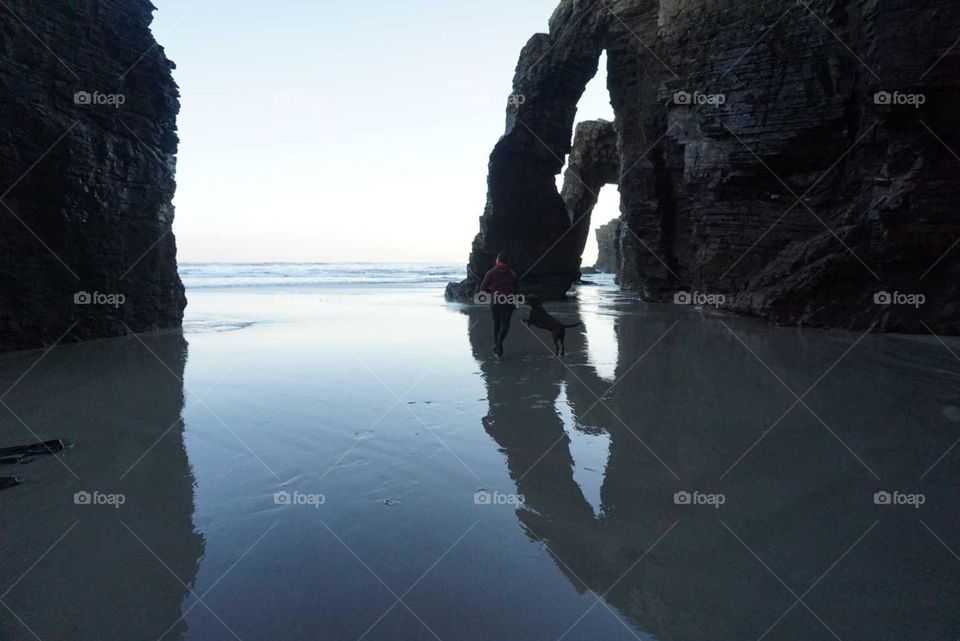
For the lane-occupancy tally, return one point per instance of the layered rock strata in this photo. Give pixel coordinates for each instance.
(608, 238)
(87, 166)
(801, 159)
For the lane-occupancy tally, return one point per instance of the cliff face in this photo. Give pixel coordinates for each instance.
(607, 239)
(800, 158)
(525, 214)
(594, 162)
(88, 107)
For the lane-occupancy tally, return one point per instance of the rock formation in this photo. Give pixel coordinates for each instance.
(525, 213)
(607, 243)
(800, 158)
(89, 109)
(594, 162)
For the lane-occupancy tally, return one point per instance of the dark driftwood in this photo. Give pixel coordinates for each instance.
(17, 454)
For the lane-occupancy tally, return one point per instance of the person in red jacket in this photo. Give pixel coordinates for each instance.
(502, 288)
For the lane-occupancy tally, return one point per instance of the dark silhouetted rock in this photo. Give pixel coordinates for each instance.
(593, 163)
(525, 214)
(799, 158)
(88, 107)
(607, 242)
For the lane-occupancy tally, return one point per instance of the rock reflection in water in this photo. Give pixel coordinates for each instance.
(799, 511)
(118, 567)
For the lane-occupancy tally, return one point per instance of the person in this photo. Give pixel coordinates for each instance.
(502, 285)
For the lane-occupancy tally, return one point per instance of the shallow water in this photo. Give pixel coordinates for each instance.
(399, 448)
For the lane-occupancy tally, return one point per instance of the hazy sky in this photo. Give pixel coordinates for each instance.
(321, 130)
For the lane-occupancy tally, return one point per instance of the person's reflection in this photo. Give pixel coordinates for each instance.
(123, 498)
(596, 553)
(523, 421)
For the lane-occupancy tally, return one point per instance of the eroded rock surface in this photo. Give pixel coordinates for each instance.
(87, 165)
(594, 162)
(525, 213)
(608, 236)
(799, 158)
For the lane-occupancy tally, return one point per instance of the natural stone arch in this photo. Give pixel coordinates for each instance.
(789, 183)
(594, 163)
(525, 214)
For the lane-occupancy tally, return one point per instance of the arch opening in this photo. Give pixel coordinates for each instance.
(591, 173)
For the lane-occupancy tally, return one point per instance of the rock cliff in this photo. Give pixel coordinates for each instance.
(87, 166)
(594, 162)
(798, 158)
(607, 240)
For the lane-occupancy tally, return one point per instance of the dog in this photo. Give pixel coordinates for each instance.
(541, 318)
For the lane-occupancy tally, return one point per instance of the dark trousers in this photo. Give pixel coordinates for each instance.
(501, 323)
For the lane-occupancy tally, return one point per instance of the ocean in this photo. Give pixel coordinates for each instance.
(224, 275)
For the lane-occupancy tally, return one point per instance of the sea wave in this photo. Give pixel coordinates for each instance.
(228, 275)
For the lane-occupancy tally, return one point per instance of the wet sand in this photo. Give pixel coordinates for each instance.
(346, 463)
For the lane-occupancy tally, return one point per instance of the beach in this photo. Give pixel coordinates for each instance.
(335, 453)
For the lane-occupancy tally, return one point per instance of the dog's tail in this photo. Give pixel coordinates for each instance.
(573, 325)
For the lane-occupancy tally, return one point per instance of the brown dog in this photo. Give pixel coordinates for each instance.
(539, 317)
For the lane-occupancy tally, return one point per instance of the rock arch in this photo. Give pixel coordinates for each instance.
(594, 163)
(525, 214)
(795, 185)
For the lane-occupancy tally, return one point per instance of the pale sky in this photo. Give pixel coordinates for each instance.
(322, 130)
